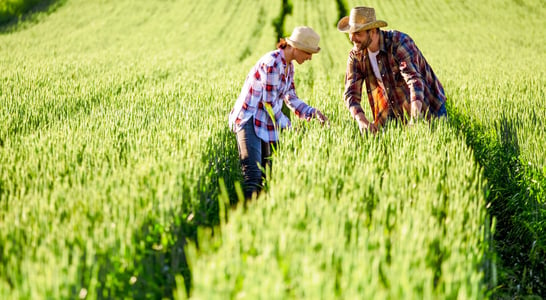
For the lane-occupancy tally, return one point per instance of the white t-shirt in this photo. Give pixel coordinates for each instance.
(375, 67)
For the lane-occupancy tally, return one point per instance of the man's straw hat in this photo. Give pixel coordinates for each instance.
(361, 18)
(304, 38)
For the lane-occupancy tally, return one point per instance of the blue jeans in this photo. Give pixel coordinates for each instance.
(442, 112)
(254, 156)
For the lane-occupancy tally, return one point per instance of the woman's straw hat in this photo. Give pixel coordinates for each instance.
(304, 38)
(361, 18)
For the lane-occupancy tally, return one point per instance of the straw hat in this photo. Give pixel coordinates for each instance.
(361, 18)
(304, 38)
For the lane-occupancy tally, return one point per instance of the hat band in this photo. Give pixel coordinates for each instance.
(302, 46)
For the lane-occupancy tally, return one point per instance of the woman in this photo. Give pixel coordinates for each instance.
(257, 117)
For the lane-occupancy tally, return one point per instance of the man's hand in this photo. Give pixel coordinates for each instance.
(416, 107)
(367, 126)
(364, 125)
(415, 113)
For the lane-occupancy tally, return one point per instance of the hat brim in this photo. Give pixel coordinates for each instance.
(343, 25)
(302, 47)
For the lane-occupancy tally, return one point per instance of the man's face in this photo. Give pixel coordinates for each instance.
(361, 39)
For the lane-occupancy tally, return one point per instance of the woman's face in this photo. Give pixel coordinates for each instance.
(301, 56)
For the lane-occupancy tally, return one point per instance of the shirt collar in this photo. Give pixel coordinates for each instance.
(283, 60)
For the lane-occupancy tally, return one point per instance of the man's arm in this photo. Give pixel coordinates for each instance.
(410, 61)
(353, 93)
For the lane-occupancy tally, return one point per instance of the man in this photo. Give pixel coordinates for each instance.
(399, 82)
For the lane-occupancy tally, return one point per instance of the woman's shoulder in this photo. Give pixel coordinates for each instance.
(272, 58)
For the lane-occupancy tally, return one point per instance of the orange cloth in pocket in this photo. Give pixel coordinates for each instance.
(381, 106)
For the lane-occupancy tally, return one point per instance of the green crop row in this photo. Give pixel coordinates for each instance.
(116, 162)
(396, 216)
(14, 8)
(495, 109)
(14, 11)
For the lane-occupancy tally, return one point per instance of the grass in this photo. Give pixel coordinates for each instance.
(115, 156)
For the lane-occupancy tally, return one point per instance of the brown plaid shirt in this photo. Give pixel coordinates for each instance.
(406, 76)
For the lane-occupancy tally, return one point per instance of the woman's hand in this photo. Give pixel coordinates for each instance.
(322, 118)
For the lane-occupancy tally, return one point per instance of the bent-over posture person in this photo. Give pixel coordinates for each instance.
(257, 118)
(398, 80)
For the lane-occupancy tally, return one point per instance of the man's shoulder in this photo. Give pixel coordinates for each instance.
(395, 35)
(394, 39)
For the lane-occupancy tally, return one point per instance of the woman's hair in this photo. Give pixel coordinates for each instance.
(282, 44)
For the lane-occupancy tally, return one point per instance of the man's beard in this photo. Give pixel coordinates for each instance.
(368, 42)
(365, 44)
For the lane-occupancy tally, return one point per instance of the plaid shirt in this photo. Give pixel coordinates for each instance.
(266, 87)
(406, 76)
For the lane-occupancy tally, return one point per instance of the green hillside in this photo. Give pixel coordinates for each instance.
(117, 167)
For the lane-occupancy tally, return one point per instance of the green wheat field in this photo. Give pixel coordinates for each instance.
(119, 177)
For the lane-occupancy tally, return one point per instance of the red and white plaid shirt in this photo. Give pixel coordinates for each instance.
(266, 87)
